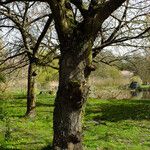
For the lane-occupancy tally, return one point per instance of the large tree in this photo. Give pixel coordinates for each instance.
(78, 24)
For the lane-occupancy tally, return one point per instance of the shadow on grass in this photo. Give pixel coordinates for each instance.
(3, 148)
(43, 104)
(20, 97)
(19, 106)
(121, 110)
(18, 116)
(145, 101)
(48, 147)
(37, 104)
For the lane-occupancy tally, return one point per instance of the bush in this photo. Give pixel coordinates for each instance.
(136, 79)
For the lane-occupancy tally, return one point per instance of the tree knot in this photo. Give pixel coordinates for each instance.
(74, 138)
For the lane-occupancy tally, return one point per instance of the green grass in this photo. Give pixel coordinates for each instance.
(122, 124)
(145, 87)
(108, 124)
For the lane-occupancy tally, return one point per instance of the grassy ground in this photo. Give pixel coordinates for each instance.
(108, 124)
(145, 87)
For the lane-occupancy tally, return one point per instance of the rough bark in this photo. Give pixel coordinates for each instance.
(31, 98)
(71, 96)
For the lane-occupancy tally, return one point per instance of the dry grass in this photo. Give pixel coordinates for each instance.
(109, 88)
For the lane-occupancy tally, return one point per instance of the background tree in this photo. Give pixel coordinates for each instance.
(79, 24)
(26, 27)
(2, 75)
(139, 65)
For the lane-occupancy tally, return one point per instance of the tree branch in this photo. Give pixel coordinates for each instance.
(11, 1)
(119, 24)
(98, 13)
(133, 37)
(80, 6)
(43, 33)
(97, 50)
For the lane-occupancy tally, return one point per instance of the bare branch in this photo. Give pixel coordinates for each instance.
(2, 2)
(80, 6)
(43, 34)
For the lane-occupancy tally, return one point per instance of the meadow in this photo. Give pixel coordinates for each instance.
(107, 124)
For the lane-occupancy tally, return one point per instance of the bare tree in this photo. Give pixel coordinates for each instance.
(26, 28)
(80, 25)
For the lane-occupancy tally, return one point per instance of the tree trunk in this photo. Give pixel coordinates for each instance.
(31, 99)
(71, 96)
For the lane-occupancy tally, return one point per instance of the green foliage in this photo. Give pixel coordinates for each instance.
(139, 64)
(2, 78)
(108, 124)
(114, 72)
(136, 79)
(47, 74)
(106, 71)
